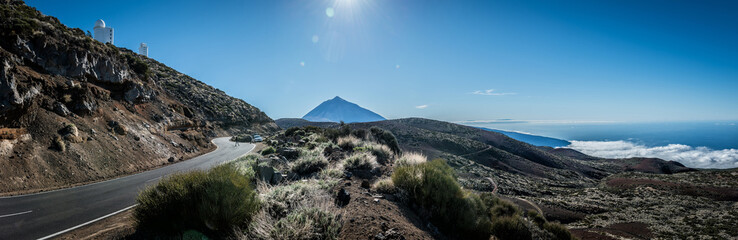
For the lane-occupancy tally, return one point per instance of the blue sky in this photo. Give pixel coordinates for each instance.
(546, 60)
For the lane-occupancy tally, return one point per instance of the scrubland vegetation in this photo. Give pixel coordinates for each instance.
(268, 196)
(212, 203)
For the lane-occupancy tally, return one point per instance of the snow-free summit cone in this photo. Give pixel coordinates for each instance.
(338, 109)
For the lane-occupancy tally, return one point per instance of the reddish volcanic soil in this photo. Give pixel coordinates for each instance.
(716, 193)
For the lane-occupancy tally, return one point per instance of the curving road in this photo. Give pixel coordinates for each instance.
(48, 214)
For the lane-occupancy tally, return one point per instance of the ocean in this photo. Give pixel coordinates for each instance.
(695, 144)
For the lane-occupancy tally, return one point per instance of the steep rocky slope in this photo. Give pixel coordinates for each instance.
(74, 110)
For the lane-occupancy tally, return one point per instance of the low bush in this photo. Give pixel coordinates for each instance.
(320, 139)
(360, 161)
(559, 231)
(212, 203)
(385, 186)
(245, 165)
(432, 186)
(534, 216)
(309, 162)
(411, 158)
(386, 138)
(313, 129)
(381, 151)
(281, 200)
(503, 209)
(359, 133)
(291, 131)
(268, 150)
(348, 143)
(512, 228)
(137, 65)
(307, 223)
(334, 134)
(331, 173)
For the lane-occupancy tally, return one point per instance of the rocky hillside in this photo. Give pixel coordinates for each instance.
(74, 110)
(597, 198)
(522, 168)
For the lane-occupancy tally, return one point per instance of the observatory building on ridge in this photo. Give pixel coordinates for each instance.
(143, 49)
(102, 33)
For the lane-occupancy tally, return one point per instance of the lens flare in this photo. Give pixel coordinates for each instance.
(329, 12)
(316, 38)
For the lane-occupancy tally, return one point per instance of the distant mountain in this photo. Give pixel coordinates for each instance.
(533, 139)
(337, 109)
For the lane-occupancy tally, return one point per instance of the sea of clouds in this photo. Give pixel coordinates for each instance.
(696, 157)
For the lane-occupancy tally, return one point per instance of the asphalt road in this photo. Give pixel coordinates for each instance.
(47, 214)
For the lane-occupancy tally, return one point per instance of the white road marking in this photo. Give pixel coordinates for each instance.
(15, 214)
(88, 222)
(153, 179)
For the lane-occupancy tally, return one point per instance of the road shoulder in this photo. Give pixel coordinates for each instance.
(118, 226)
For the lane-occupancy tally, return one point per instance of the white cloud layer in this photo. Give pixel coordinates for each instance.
(698, 157)
(490, 92)
(422, 106)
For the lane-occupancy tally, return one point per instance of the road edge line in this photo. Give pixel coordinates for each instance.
(86, 223)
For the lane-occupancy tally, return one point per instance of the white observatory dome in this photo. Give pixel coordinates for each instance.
(99, 24)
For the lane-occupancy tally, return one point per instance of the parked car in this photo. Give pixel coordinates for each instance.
(257, 138)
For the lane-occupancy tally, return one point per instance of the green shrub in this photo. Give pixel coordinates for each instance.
(360, 161)
(333, 134)
(268, 150)
(512, 228)
(359, 133)
(321, 139)
(313, 129)
(291, 131)
(309, 162)
(137, 65)
(308, 224)
(386, 138)
(361, 149)
(348, 143)
(432, 186)
(385, 186)
(559, 231)
(381, 151)
(503, 209)
(534, 216)
(213, 203)
(245, 165)
(331, 173)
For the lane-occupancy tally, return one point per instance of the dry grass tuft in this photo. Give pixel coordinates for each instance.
(411, 158)
(360, 161)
